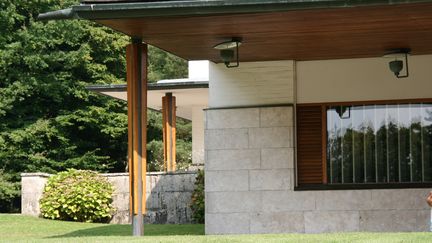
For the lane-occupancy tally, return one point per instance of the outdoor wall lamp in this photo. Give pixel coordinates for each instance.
(397, 64)
(342, 110)
(229, 51)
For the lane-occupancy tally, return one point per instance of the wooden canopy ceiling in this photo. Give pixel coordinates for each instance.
(299, 35)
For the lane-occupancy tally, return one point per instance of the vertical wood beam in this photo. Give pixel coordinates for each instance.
(169, 131)
(324, 142)
(136, 61)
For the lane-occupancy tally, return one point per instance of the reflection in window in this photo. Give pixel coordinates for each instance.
(379, 143)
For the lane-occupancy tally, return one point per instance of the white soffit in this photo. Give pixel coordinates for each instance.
(189, 92)
(186, 99)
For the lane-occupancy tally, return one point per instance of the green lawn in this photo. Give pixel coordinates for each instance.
(28, 229)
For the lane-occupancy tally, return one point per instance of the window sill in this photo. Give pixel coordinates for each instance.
(327, 187)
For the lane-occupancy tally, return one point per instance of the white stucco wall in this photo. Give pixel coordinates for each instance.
(253, 83)
(361, 80)
(198, 70)
(198, 135)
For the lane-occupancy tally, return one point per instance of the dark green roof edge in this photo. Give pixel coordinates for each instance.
(197, 8)
(150, 86)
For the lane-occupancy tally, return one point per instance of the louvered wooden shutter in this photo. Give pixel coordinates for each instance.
(310, 147)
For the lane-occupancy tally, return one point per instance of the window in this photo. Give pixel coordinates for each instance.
(364, 144)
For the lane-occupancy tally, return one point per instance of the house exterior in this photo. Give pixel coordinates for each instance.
(191, 96)
(253, 183)
(312, 132)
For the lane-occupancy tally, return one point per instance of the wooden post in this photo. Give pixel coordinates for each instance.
(136, 61)
(169, 131)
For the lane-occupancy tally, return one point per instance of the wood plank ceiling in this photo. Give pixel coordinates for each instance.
(299, 35)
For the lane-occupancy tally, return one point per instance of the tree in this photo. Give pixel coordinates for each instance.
(49, 122)
(9, 192)
(163, 65)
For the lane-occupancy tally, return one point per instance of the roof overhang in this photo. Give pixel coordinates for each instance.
(271, 30)
(189, 94)
(99, 10)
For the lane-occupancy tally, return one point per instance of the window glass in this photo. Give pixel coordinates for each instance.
(347, 145)
(379, 143)
(427, 140)
(334, 148)
(416, 142)
(404, 143)
(369, 144)
(358, 128)
(392, 143)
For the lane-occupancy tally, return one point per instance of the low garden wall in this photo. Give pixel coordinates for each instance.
(168, 196)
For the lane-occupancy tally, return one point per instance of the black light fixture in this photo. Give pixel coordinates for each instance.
(397, 64)
(342, 112)
(229, 51)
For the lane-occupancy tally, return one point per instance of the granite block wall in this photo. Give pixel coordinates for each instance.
(168, 196)
(250, 184)
(32, 185)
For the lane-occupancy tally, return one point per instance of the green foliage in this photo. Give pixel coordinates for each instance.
(8, 192)
(164, 65)
(49, 121)
(77, 195)
(155, 144)
(198, 199)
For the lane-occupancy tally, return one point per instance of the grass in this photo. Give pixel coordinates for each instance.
(17, 228)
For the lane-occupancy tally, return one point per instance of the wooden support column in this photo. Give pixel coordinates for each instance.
(169, 131)
(136, 61)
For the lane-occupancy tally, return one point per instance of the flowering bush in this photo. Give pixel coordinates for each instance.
(77, 195)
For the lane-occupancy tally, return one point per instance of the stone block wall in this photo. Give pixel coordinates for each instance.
(32, 185)
(168, 196)
(250, 184)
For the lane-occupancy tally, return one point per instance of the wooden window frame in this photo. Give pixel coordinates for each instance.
(351, 186)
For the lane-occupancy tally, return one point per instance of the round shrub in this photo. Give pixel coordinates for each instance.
(77, 195)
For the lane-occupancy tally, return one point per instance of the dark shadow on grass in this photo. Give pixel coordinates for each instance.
(126, 230)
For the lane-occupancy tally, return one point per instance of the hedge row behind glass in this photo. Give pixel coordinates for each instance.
(379, 143)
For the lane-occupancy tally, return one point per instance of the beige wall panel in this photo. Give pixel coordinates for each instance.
(362, 79)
